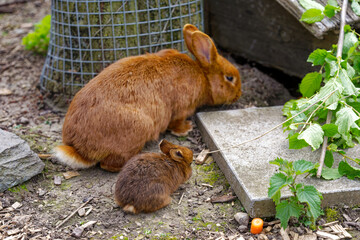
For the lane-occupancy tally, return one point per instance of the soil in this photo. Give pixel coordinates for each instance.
(44, 204)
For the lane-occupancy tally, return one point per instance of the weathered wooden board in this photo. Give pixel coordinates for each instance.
(263, 31)
(319, 28)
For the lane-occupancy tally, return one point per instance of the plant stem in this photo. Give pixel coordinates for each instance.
(338, 55)
(348, 157)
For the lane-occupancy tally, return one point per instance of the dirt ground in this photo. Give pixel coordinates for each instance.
(44, 204)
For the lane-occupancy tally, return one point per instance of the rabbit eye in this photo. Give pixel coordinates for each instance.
(179, 154)
(229, 78)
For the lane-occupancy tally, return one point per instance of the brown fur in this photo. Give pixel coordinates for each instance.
(136, 98)
(146, 181)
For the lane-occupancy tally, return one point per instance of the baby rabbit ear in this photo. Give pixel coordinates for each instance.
(203, 48)
(176, 154)
(188, 30)
(165, 146)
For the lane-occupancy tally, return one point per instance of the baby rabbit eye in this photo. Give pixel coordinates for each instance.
(229, 78)
(179, 154)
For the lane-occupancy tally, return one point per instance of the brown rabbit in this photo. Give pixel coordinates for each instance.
(136, 98)
(146, 181)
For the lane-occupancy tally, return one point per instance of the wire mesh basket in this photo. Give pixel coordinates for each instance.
(88, 35)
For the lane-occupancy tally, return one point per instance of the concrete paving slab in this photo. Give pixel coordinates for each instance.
(247, 167)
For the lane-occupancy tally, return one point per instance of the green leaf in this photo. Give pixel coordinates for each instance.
(355, 7)
(331, 66)
(332, 147)
(295, 143)
(333, 3)
(288, 106)
(330, 129)
(287, 209)
(345, 118)
(349, 87)
(329, 159)
(350, 40)
(310, 84)
(312, 15)
(313, 135)
(347, 170)
(308, 4)
(330, 10)
(347, 28)
(326, 90)
(312, 198)
(277, 182)
(330, 173)
(317, 57)
(302, 166)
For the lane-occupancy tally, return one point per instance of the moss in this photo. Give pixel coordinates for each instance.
(332, 214)
(19, 188)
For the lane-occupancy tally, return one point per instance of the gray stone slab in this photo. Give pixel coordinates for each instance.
(17, 162)
(247, 167)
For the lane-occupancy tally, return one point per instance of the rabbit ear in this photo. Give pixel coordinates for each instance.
(188, 30)
(176, 154)
(203, 48)
(165, 146)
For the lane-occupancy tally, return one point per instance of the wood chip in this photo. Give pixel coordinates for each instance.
(5, 92)
(44, 156)
(1, 206)
(207, 185)
(70, 174)
(329, 223)
(347, 218)
(88, 211)
(16, 205)
(327, 235)
(343, 231)
(311, 236)
(57, 180)
(13, 231)
(223, 199)
(201, 158)
(271, 223)
(284, 235)
(294, 235)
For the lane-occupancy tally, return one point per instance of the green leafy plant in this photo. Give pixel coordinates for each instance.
(315, 12)
(305, 201)
(330, 108)
(38, 41)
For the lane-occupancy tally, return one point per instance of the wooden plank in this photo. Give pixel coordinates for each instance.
(264, 32)
(318, 29)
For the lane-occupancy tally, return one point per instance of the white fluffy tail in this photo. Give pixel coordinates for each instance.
(68, 156)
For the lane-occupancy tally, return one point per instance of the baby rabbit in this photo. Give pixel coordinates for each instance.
(136, 98)
(146, 181)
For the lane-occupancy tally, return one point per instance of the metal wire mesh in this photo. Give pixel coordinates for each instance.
(88, 35)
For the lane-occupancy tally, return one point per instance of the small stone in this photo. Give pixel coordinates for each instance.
(268, 229)
(77, 232)
(218, 225)
(81, 212)
(243, 228)
(190, 221)
(5, 92)
(41, 207)
(23, 120)
(57, 180)
(242, 218)
(209, 227)
(138, 224)
(41, 192)
(16, 205)
(1, 206)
